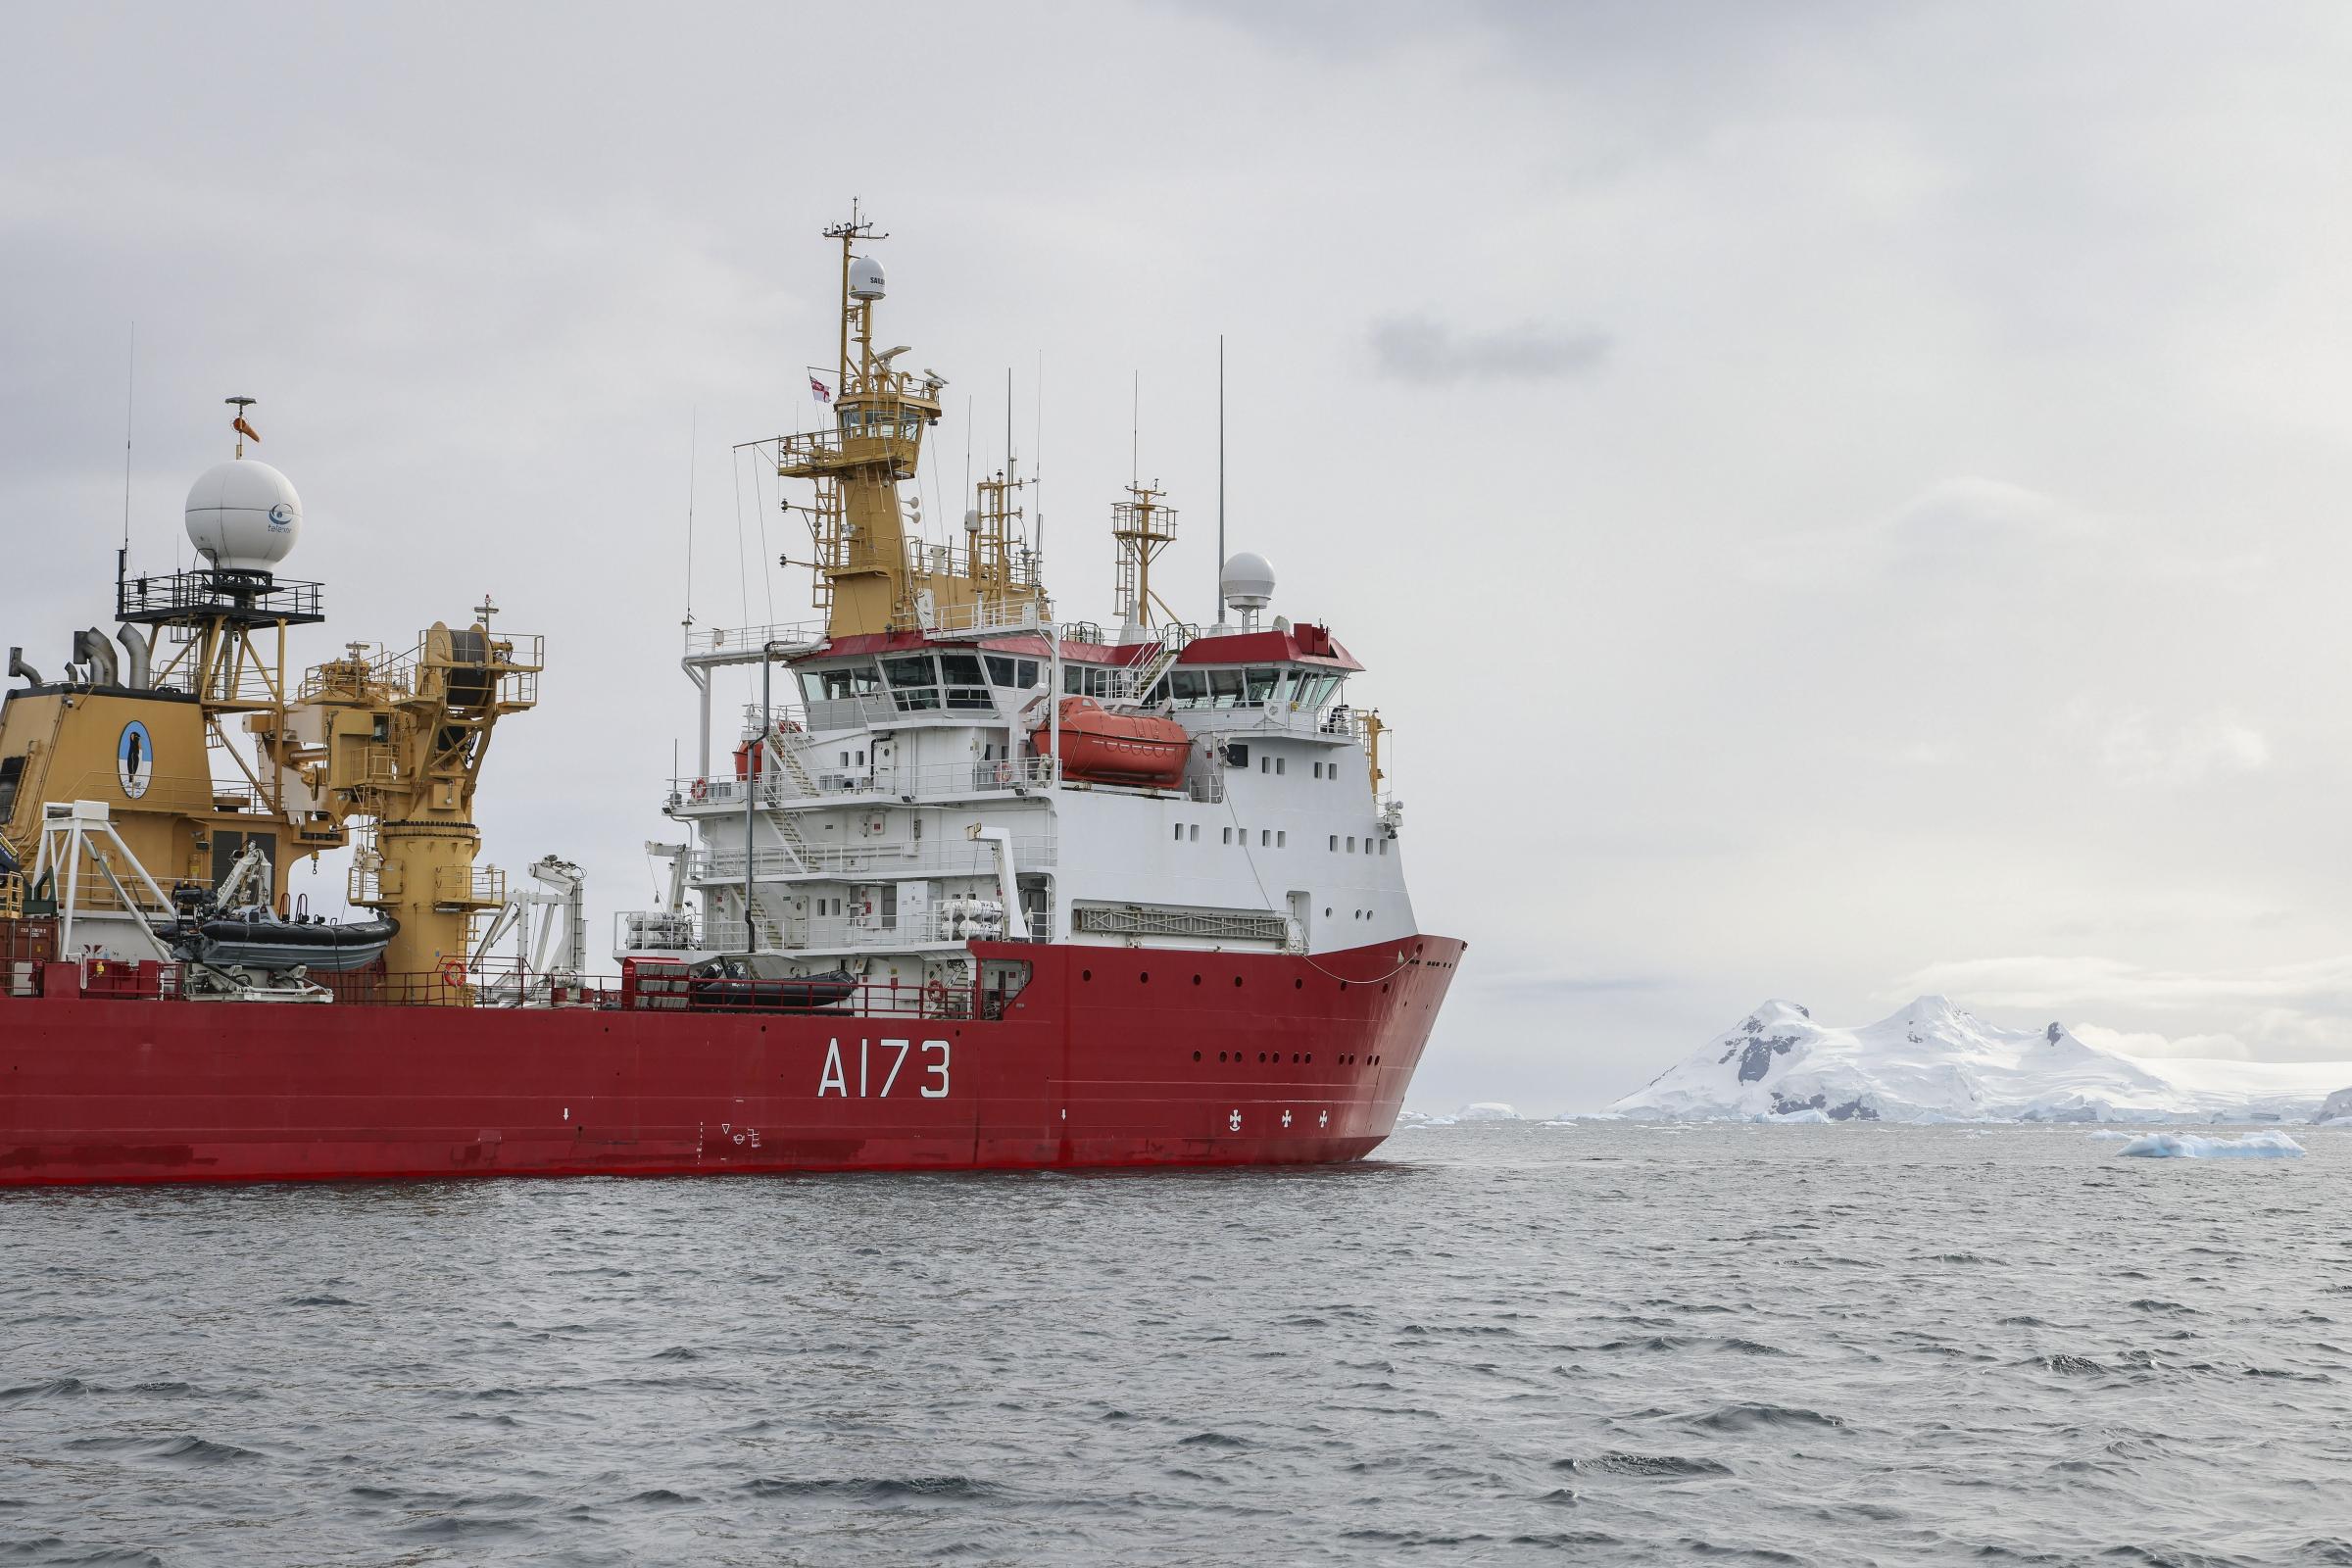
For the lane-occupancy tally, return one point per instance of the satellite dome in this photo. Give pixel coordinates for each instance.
(1246, 582)
(243, 515)
(865, 279)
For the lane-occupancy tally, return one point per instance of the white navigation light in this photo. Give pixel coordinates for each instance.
(1247, 582)
(865, 279)
(243, 515)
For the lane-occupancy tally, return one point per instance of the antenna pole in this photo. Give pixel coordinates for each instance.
(694, 416)
(1037, 458)
(1135, 426)
(131, 382)
(1220, 479)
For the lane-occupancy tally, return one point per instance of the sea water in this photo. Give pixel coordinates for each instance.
(1607, 1343)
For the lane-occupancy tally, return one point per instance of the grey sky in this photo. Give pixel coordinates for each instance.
(1840, 501)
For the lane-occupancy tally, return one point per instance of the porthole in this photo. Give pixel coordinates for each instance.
(1310, 1059)
(1220, 1056)
(1144, 979)
(1261, 1055)
(1086, 974)
(1196, 979)
(1237, 979)
(1195, 1055)
(1298, 984)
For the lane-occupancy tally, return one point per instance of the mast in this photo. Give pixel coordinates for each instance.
(874, 573)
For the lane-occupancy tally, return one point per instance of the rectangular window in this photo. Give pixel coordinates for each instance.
(1229, 835)
(1351, 844)
(959, 669)
(1266, 765)
(1279, 768)
(1334, 844)
(845, 759)
(1188, 688)
(1180, 832)
(1001, 672)
(1258, 689)
(914, 669)
(861, 758)
(1282, 840)
(1026, 673)
(1196, 833)
(1265, 837)
(1318, 770)
(1384, 846)
(1367, 846)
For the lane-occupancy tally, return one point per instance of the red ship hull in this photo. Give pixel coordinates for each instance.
(1110, 1056)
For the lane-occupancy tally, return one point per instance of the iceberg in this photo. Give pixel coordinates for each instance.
(2188, 1146)
(1934, 1062)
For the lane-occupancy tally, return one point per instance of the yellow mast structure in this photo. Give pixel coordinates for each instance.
(1143, 528)
(399, 742)
(391, 744)
(874, 572)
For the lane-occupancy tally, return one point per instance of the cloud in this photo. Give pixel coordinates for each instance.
(1417, 348)
(1960, 527)
(2043, 981)
(2134, 751)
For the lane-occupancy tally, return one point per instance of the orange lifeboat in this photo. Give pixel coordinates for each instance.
(1107, 748)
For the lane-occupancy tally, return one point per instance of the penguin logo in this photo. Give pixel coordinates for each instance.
(280, 519)
(134, 760)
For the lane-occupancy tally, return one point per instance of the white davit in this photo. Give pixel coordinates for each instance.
(243, 515)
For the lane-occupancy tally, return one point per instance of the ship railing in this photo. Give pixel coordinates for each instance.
(480, 887)
(850, 713)
(192, 794)
(804, 932)
(200, 593)
(876, 859)
(791, 637)
(994, 615)
(827, 780)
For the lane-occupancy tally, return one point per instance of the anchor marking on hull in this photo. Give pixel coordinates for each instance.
(1286, 1118)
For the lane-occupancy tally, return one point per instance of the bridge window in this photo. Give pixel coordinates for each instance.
(842, 681)
(966, 687)
(1258, 687)
(1019, 674)
(913, 681)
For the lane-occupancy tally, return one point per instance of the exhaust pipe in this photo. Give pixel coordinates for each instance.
(91, 647)
(135, 648)
(17, 666)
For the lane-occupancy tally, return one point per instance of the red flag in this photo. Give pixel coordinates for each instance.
(817, 389)
(239, 426)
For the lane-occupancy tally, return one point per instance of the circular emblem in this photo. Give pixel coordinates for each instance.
(280, 518)
(134, 760)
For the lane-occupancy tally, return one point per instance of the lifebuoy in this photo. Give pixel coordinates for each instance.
(1004, 772)
(453, 972)
(936, 993)
(701, 789)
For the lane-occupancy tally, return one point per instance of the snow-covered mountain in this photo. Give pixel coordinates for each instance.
(1932, 1062)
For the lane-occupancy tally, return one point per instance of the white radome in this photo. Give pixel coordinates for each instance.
(865, 279)
(1247, 582)
(243, 515)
